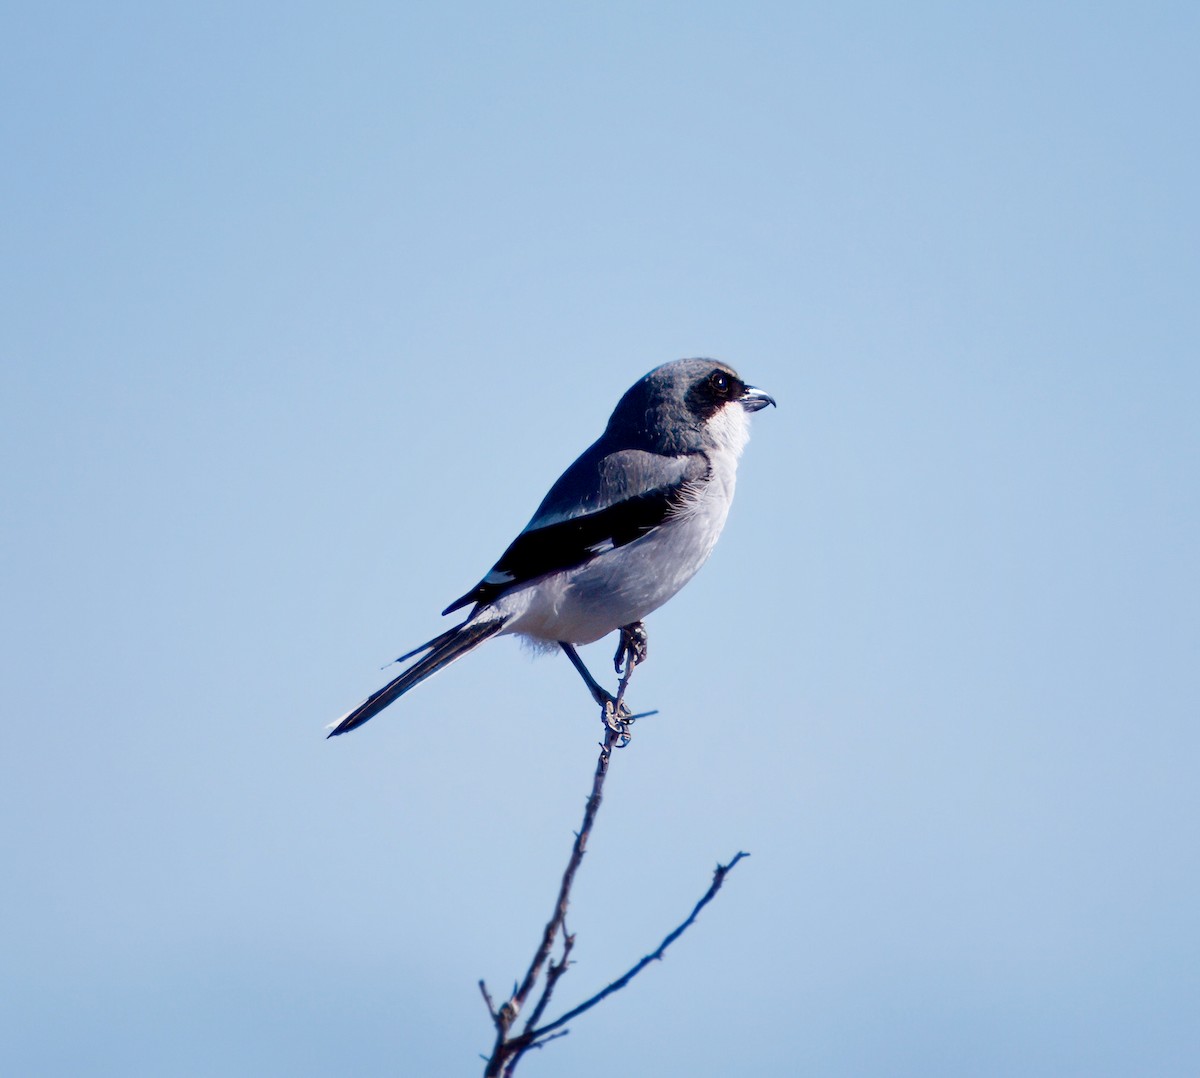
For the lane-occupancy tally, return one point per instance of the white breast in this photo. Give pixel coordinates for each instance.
(623, 585)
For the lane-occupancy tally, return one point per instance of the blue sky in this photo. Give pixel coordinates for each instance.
(302, 311)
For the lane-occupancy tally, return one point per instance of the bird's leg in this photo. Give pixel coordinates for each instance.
(616, 715)
(632, 648)
(601, 695)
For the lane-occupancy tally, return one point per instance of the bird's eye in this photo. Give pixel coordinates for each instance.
(719, 380)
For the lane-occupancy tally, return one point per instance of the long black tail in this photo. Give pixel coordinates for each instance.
(443, 650)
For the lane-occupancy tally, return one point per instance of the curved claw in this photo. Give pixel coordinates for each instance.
(632, 648)
(620, 723)
(616, 715)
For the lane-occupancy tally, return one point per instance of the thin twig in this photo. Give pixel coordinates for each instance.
(564, 891)
(553, 972)
(512, 1063)
(718, 878)
(505, 1052)
(487, 998)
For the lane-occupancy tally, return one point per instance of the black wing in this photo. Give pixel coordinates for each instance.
(626, 513)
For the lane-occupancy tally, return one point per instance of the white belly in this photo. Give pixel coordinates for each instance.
(623, 585)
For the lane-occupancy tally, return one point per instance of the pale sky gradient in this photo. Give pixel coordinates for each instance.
(303, 307)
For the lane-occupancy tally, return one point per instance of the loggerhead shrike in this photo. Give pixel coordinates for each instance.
(623, 529)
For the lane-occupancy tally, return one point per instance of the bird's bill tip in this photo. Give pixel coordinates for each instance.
(754, 398)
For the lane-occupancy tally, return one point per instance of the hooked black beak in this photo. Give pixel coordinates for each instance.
(753, 399)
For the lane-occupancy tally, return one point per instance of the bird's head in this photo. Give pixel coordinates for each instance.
(688, 405)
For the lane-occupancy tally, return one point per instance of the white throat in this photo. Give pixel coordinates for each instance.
(729, 428)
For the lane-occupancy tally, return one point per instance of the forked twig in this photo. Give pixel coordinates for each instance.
(508, 1050)
(718, 878)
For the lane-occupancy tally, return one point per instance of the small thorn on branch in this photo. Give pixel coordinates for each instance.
(487, 998)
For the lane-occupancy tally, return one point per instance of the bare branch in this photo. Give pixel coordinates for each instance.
(718, 878)
(505, 1053)
(553, 972)
(578, 849)
(511, 1065)
(508, 1050)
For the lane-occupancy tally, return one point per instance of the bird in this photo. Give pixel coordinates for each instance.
(627, 525)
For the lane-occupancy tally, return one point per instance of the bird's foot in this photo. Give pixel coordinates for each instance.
(615, 711)
(630, 652)
(632, 648)
(616, 716)
(619, 719)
